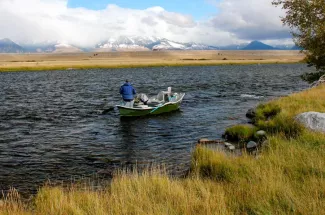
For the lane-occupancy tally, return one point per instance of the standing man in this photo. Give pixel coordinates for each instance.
(127, 91)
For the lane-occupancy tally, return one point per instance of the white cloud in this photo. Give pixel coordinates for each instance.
(251, 20)
(51, 20)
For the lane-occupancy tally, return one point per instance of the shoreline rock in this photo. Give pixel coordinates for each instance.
(312, 120)
(320, 81)
(251, 113)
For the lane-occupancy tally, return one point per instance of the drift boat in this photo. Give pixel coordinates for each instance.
(164, 102)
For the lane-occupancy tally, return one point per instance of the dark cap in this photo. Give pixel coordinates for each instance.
(127, 80)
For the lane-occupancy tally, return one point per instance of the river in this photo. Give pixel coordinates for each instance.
(52, 126)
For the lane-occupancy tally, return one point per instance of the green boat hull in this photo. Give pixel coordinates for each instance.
(133, 112)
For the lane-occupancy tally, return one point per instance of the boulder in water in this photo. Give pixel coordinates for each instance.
(312, 120)
(251, 113)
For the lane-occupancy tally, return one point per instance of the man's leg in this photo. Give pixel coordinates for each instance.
(129, 104)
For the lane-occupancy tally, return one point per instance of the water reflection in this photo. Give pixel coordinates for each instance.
(129, 139)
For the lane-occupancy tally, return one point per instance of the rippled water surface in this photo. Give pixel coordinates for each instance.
(52, 126)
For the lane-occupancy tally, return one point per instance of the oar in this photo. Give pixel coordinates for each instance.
(105, 111)
(156, 108)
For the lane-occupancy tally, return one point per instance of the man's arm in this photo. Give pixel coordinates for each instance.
(121, 90)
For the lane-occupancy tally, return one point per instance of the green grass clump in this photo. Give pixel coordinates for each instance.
(270, 119)
(266, 111)
(281, 124)
(240, 133)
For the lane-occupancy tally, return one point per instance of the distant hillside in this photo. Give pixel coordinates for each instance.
(51, 47)
(7, 46)
(234, 46)
(257, 45)
(283, 47)
(295, 47)
(66, 48)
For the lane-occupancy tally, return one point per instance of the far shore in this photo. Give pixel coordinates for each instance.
(66, 61)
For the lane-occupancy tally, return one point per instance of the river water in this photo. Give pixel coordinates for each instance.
(52, 126)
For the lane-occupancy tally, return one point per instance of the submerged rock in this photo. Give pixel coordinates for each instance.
(312, 120)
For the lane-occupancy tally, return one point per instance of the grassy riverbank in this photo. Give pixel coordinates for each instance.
(288, 177)
(38, 62)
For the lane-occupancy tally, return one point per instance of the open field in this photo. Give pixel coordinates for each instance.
(288, 177)
(12, 62)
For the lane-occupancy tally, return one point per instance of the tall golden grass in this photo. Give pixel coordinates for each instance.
(105, 65)
(288, 177)
(61, 61)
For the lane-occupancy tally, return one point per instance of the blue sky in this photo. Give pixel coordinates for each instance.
(199, 9)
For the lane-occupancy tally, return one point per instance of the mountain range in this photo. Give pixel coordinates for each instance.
(123, 43)
(133, 43)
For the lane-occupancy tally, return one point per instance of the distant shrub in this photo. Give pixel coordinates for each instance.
(240, 133)
(311, 77)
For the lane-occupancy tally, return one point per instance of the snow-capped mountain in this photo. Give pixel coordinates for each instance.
(127, 43)
(165, 44)
(124, 43)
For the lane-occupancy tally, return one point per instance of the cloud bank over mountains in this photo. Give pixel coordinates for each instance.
(41, 21)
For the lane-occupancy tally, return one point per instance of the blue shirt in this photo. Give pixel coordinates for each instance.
(127, 91)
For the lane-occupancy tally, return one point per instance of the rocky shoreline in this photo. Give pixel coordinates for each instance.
(250, 138)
